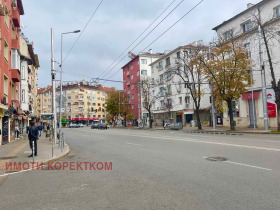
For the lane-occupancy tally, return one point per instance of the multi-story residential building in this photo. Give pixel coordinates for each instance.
(135, 70)
(173, 100)
(84, 102)
(243, 28)
(10, 11)
(28, 83)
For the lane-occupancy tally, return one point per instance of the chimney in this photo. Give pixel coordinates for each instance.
(150, 51)
(250, 5)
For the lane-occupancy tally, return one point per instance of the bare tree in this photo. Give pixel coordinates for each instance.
(189, 70)
(148, 95)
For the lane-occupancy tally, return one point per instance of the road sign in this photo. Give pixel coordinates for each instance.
(58, 99)
(47, 117)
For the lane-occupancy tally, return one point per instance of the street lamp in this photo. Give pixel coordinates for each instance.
(61, 64)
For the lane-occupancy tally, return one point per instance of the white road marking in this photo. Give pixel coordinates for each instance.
(242, 164)
(133, 144)
(17, 172)
(210, 142)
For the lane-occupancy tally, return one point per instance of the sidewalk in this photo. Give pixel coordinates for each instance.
(19, 150)
(219, 130)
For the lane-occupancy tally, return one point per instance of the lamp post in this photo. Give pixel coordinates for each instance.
(61, 64)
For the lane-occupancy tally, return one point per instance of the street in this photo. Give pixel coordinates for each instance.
(154, 170)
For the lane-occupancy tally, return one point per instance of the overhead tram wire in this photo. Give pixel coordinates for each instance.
(82, 31)
(137, 37)
(165, 31)
(145, 37)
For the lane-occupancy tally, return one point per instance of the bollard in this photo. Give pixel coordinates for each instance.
(33, 151)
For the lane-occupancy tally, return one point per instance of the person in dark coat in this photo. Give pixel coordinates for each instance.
(33, 137)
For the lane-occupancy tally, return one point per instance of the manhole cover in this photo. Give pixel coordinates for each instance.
(7, 158)
(216, 158)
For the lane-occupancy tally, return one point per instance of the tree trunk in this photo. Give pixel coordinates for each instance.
(150, 119)
(278, 108)
(230, 112)
(199, 127)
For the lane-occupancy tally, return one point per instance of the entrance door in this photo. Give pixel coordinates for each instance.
(189, 118)
(5, 130)
(252, 115)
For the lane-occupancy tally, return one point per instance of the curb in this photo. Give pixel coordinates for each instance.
(58, 158)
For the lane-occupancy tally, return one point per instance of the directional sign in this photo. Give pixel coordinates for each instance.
(47, 117)
(58, 99)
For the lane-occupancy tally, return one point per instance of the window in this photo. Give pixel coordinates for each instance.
(69, 97)
(132, 87)
(277, 11)
(247, 48)
(15, 59)
(93, 92)
(178, 55)
(76, 90)
(144, 72)
(169, 89)
(137, 73)
(88, 97)
(180, 100)
(94, 104)
(7, 18)
(98, 92)
(131, 76)
(76, 96)
(143, 61)
(246, 26)
(98, 104)
(23, 95)
(132, 96)
(6, 50)
(6, 85)
(161, 78)
(169, 101)
(68, 91)
(132, 106)
(45, 100)
(131, 67)
(187, 99)
(160, 65)
(228, 35)
(138, 62)
(167, 61)
(162, 91)
(162, 103)
(168, 76)
(98, 98)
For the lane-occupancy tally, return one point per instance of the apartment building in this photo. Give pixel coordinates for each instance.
(243, 27)
(173, 100)
(84, 102)
(10, 11)
(136, 69)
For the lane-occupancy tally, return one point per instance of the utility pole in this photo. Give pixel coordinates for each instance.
(53, 92)
(212, 98)
(264, 99)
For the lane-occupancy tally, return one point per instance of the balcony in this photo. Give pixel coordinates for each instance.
(81, 99)
(81, 106)
(16, 17)
(128, 83)
(15, 75)
(81, 93)
(127, 73)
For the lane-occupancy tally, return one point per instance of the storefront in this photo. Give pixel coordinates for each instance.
(188, 116)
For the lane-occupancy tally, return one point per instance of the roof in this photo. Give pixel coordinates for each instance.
(143, 54)
(241, 13)
(176, 49)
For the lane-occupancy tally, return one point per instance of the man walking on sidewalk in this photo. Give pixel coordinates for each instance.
(33, 137)
(40, 128)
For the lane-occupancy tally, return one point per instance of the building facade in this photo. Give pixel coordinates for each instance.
(83, 102)
(10, 12)
(244, 28)
(173, 100)
(135, 70)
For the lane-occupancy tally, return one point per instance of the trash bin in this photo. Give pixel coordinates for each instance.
(48, 134)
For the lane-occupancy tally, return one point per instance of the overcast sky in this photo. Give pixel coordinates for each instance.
(115, 26)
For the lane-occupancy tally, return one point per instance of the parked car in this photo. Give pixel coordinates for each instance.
(102, 126)
(81, 125)
(73, 125)
(176, 126)
(95, 126)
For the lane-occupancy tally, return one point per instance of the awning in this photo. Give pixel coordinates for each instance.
(248, 95)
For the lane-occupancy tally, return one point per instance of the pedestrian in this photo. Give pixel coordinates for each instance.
(27, 129)
(163, 124)
(48, 127)
(33, 137)
(16, 132)
(40, 128)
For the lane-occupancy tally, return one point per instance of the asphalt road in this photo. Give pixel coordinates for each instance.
(154, 170)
